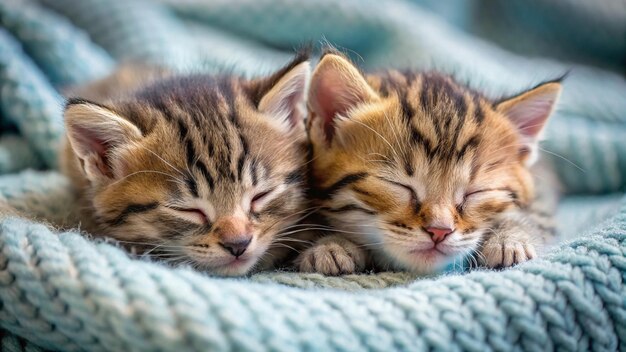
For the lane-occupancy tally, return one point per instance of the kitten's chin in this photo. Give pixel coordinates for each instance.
(426, 262)
(423, 261)
(237, 267)
(229, 267)
(225, 265)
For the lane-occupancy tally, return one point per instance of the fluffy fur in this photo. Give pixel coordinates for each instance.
(414, 170)
(195, 169)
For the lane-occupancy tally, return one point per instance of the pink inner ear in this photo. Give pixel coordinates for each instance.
(531, 115)
(327, 105)
(332, 97)
(90, 143)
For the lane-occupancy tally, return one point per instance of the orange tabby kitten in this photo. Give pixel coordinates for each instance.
(195, 169)
(414, 170)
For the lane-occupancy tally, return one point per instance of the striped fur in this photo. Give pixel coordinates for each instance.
(177, 165)
(398, 152)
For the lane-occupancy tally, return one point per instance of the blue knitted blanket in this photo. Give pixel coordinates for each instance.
(63, 291)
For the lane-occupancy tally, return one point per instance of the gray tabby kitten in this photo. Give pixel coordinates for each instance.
(197, 169)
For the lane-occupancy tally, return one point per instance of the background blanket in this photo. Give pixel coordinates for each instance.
(62, 291)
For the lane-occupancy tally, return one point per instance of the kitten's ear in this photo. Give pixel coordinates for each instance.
(94, 132)
(336, 87)
(283, 95)
(530, 111)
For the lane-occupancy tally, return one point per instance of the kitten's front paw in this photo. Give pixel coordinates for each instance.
(499, 253)
(332, 256)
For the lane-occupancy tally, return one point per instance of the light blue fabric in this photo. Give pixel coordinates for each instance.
(61, 290)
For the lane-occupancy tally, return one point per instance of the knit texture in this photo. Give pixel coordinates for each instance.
(62, 290)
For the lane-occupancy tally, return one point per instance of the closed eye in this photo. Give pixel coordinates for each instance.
(414, 199)
(191, 214)
(469, 194)
(260, 196)
(509, 191)
(259, 199)
(511, 195)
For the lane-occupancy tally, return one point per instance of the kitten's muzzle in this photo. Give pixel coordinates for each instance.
(238, 247)
(234, 234)
(438, 234)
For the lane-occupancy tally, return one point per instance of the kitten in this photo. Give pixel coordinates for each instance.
(195, 169)
(414, 171)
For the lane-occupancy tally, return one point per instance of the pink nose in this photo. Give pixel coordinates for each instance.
(438, 234)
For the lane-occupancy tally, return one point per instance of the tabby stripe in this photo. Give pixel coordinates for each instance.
(206, 174)
(226, 139)
(479, 114)
(470, 144)
(192, 186)
(515, 198)
(349, 207)
(410, 77)
(225, 163)
(460, 121)
(405, 107)
(182, 130)
(130, 210)
(343, 182)
(417, 205)
(384, 88)
(161, 106)
(294, 177)
(210, 148)
(458, 99)
(424, 94)
(196, 118)
(191, 152)
(406, 110)
(233, 117)
(254, 169)
(408, 167)
(244, 144)
(240, 166)
(419, 139)
(398, 232)
(361, 191)
(137, 119)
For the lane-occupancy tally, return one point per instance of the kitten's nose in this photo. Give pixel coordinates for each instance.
(438, 234)
(234, 234)
(238, 247)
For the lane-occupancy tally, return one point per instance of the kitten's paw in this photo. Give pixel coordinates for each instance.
(331, 256)
(499, 254)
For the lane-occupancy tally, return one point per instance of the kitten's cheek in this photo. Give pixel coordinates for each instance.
(473, 216)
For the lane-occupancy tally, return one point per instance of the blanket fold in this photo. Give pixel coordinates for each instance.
(64, 292)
